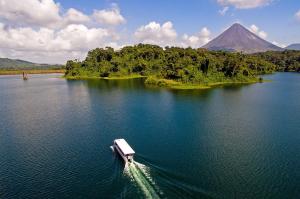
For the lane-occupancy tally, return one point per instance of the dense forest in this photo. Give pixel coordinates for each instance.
(181, 65)
(284, 61)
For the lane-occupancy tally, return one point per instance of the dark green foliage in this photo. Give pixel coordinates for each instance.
(288, 60)
(204, 66)
(185, 65)
(73, 68)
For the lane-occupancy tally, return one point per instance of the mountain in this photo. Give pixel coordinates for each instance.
(6, 63)
(238, 38)
(293, 47)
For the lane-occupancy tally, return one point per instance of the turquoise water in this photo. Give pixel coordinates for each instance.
(230, 142)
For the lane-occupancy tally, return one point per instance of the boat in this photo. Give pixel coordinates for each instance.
(25, 77)
(124, 150)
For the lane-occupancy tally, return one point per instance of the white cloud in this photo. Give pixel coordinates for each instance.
(47, 13)
(74, 16)
(254, 28)
(198, 40)
(165, 35)
(257, 31)
(41, 31)
(263, 34)
(279, 44)
(70, 41)
(224, 11)
(109, 16)
(73, 37)
(154, 33)
(244, 4)
(33, 12)
(297, 15)
(39, 13)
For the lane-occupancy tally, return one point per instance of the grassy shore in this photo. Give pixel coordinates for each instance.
(152, 81)
(134, 76)
(34, 71)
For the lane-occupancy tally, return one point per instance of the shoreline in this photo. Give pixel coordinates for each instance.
(106, 78)
(34, 71)
(182, 86)
(170, 84)
(210, 85)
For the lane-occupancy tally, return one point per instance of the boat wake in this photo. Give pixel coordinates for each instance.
(139, 174)
(112, 148)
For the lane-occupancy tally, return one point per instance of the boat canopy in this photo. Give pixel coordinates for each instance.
(124, 147)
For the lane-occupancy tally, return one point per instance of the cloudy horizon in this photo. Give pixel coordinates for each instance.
(48, 31)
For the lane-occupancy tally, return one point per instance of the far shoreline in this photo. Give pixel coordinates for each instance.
(33, 71)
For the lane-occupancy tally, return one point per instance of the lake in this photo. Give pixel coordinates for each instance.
(226, 142)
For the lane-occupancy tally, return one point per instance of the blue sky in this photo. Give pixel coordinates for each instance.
(53, 31)
(276, 18)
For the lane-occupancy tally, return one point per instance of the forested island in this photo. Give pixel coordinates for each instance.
(181, 68)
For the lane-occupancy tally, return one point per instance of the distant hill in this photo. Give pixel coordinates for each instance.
(238, 38)
(6, 63)
(293, 47)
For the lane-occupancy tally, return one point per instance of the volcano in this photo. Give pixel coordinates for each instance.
(240, 39)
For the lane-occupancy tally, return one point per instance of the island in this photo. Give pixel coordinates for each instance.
(178, 68)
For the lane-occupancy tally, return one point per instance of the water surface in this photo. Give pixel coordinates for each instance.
(230, 142)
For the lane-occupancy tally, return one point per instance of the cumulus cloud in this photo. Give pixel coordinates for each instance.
(73, 40)
(279, 44)
(109, 16)
(47, 13)
(74, 16)
(155, 33)
(297, 15)
(198, 40)
(33, 12)
(224, 11)
(41, 31)
(258, 32)
(166, 35)
(244, 4)
(39, 13)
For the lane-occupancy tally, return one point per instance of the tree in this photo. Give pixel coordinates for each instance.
(204, 66)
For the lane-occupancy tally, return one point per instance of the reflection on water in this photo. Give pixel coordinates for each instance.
(228, 142)
(111, 84)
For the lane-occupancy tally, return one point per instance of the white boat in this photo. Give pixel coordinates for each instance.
(125, 151)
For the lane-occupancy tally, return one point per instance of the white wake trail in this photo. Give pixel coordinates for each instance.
(139, 173)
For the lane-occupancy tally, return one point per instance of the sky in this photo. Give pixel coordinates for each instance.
(54, 31)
